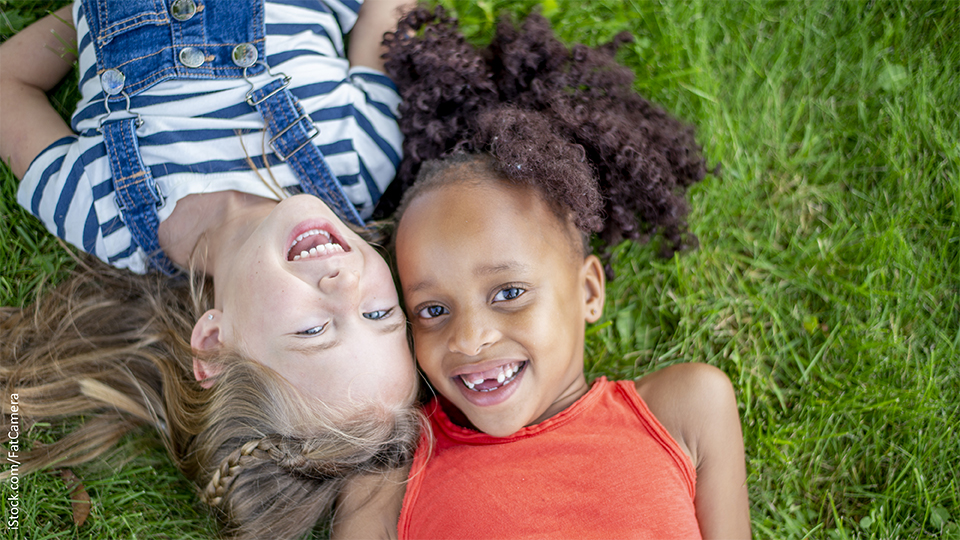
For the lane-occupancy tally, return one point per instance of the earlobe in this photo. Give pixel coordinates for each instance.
(594, 292)
(205, 339)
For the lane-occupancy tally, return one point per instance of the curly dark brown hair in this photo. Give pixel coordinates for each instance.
(563, 120)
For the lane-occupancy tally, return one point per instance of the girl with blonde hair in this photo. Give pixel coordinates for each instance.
(243, 146)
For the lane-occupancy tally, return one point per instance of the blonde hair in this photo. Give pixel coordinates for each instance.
(268, 460)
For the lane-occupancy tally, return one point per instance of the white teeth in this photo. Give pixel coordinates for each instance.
(312, 232)
(471, 383)
(501, 377)
(508, 373)
(321, 249)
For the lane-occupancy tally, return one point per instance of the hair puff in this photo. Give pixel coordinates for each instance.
(563, 120)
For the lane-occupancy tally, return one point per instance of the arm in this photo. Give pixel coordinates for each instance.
(697, 405)
(33, 61)
(376, 18)
(369, 506)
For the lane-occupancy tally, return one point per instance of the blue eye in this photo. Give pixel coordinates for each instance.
(431, 312)
(509, 293)
(377, 315)
(315, 331)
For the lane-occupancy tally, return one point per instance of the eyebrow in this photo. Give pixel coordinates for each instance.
(485, 270)
(313, 348)
(400, 323)
(491, 269)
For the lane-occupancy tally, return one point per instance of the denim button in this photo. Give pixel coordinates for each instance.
(191, 57)
(245, 55)
(182, 10)
(112, 81)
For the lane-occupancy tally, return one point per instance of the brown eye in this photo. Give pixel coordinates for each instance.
(431, 312)
(509, 293)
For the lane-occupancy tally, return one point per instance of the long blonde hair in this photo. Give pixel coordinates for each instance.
(268, 460)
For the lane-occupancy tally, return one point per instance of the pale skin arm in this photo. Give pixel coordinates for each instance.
(33, 62)
(697, 405)
(369, 506)
(376, 18)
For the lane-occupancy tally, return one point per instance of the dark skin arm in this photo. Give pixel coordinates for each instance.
(697, 405)
(33, 61)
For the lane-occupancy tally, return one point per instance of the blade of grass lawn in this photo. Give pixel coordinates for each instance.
(826, 284)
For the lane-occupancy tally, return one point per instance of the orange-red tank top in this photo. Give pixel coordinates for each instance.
(602, 468)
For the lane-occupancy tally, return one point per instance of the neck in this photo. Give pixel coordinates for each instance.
(205, 230)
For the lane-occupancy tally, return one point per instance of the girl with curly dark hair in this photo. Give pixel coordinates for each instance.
(280, 372)
(520, 151)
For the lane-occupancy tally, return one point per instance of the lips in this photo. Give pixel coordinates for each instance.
(491, 379)
(315, 239)
(488, 384)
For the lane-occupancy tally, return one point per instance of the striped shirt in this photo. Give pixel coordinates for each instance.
(200, 136)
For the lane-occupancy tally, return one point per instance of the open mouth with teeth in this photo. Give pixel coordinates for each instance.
(315, 243)
(492, 379)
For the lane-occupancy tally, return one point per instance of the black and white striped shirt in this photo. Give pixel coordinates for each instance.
(199, 136)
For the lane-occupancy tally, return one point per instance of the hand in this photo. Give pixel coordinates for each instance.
(376, 18)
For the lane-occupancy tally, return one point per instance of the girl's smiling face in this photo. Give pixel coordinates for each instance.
(310, 299)
(498, 293)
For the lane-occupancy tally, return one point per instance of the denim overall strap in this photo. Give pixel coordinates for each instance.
(136, 191)
(293, 131)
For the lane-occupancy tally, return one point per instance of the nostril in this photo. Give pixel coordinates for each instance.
(330, 280)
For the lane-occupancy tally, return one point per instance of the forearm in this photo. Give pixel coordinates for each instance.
(376, 18)
(33, 61)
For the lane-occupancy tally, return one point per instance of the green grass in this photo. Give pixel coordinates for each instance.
(827, 282)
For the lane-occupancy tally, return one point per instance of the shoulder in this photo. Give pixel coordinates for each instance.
(689, 399)
(693, 380)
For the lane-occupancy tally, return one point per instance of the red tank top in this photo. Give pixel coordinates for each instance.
(602, 468)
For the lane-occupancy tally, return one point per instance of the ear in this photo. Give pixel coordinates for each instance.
(206, 338)
(593, 278)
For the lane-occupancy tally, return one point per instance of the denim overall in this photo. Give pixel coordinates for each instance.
(142, 42)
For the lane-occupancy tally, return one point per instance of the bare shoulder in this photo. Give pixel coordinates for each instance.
(696, 403)
(369, 506)
(687, 397)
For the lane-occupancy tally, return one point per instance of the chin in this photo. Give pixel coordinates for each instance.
(392, 395)
(496, 429)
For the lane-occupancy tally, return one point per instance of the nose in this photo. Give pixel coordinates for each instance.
(341, 282)
(471, 332)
